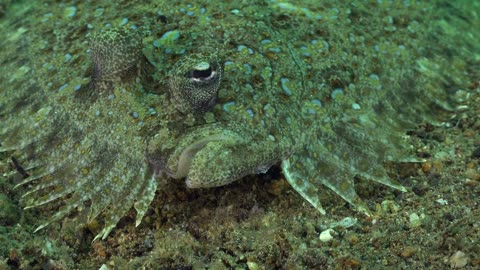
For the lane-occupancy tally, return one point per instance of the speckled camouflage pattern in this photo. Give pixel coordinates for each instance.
(327, 90)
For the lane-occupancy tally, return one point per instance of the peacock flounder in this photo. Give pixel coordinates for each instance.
(211, 96)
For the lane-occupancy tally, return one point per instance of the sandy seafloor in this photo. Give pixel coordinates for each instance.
(260, 222)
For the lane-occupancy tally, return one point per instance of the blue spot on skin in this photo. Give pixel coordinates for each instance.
(152, 111)
(275, 50)
(228, 106)
(356, 106)
(286, 90)
(267, 107)
(327, 46)
(243, 47)
(305, 51)
(167, 38)
(71, 11)
(336, 92)
(68, 57)
(99, 12)
(249, 87)
(248, 68)
(317, 102)
(62, 87)
(250, 112)
(46, 17)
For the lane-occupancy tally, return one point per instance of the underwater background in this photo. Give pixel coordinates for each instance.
(290, 70)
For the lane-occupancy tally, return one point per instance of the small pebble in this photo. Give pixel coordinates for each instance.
(352, 238)
(345, 223)
(415, 220)
(442, 201)
(426, 167)
(409, 251)
(104, 267)
(100, 249)
(252, 265)
(352, 263)
(458, 260)
(326, 235)
(472, 174)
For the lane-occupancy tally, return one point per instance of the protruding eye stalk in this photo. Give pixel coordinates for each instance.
(194, 82)
(116, 53)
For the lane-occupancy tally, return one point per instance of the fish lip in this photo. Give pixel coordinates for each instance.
(186, 158)
(189, 183)
(188, 155)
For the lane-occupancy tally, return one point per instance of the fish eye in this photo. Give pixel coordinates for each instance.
(202, 72)
(194, 82)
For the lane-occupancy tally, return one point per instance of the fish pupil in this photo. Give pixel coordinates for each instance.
(202, 74)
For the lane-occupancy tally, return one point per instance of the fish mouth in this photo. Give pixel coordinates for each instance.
(188, 156)
(190, 183)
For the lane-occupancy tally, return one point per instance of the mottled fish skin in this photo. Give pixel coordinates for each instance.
(298, 84)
